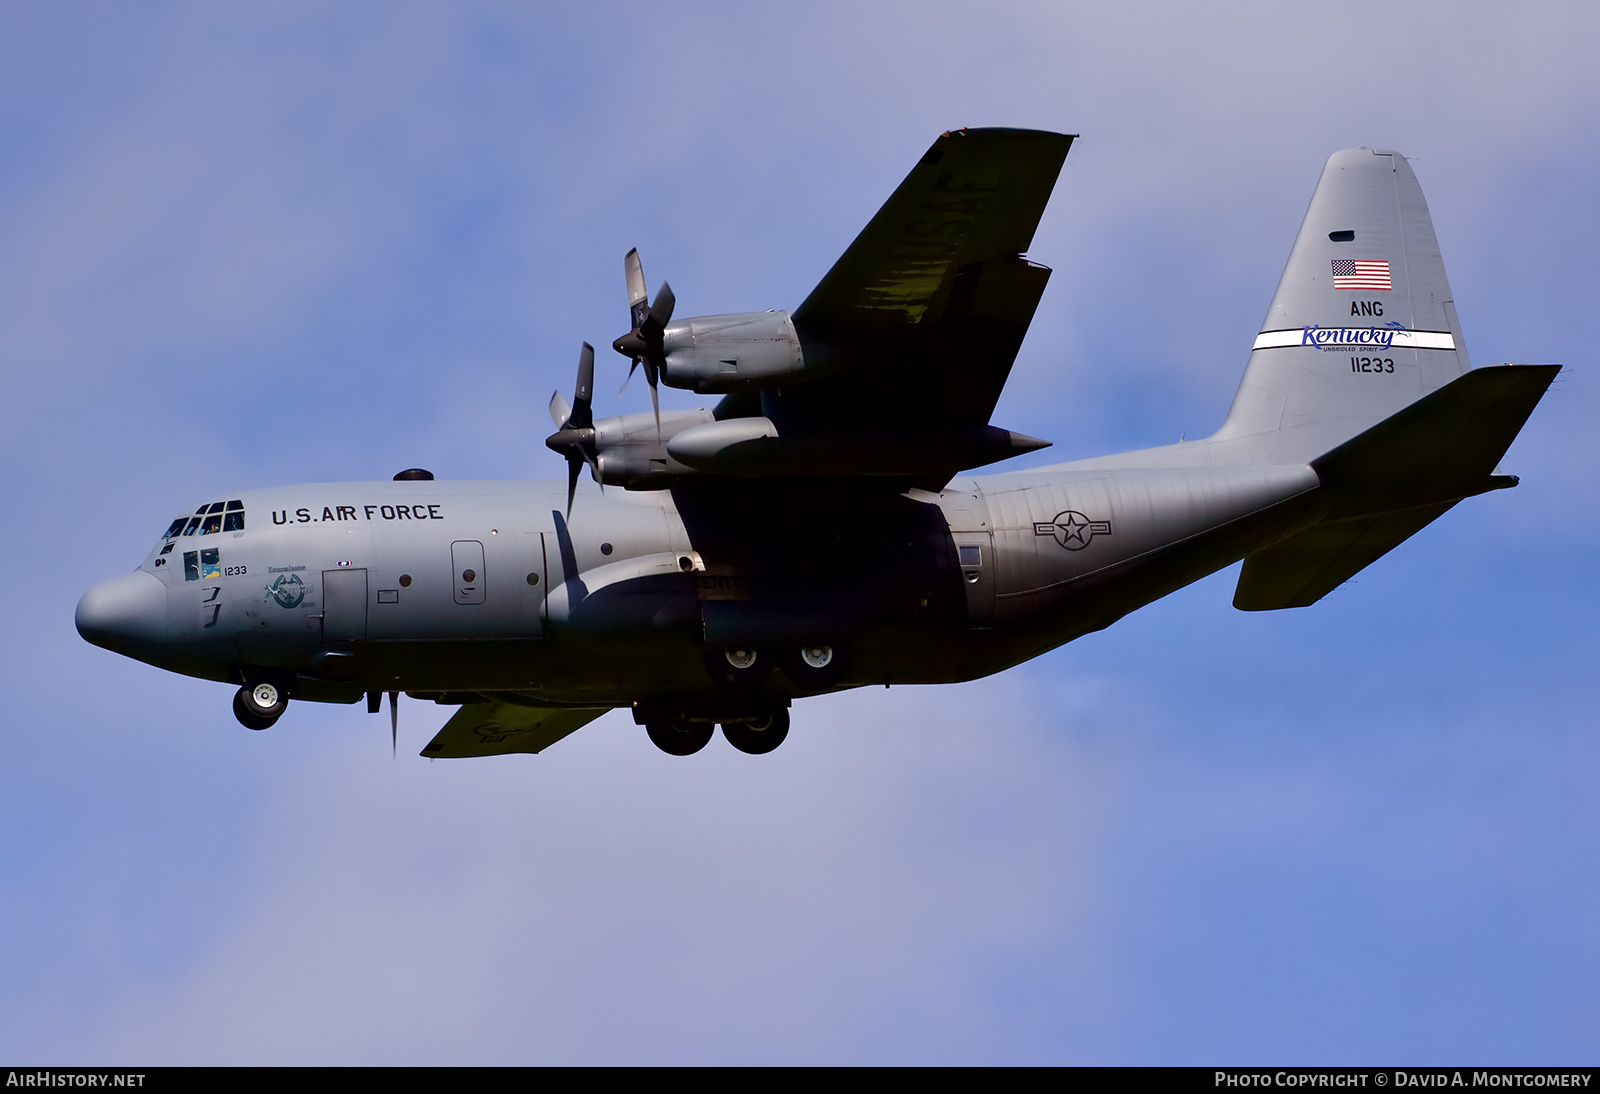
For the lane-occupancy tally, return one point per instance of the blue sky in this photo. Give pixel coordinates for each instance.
(324, 243)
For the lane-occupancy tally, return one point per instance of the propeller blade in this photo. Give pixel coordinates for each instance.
(559, 410)
(573, 464)
(660, 315)
(394, 723)
(628, 377)
(581, 417)
(638, 297)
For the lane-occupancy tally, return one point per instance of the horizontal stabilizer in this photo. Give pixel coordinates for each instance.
(497, 729)
(1307, 567)
(1389, 482)
(1442, 447)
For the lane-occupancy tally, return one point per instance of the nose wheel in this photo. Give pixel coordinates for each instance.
(259, 705)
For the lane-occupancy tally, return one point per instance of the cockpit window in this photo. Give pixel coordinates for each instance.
(217, 516)
(167, 550)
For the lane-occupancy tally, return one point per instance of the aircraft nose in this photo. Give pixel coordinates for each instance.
(126, 614)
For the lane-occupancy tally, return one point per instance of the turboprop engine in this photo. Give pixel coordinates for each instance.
(716, 354)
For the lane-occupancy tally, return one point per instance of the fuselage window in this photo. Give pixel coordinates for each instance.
(211, 564)
(191, 565)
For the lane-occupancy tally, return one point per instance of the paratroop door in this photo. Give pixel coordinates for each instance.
(975, 556)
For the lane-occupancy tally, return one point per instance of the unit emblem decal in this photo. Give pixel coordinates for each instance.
(1072, 529)
(288, 590)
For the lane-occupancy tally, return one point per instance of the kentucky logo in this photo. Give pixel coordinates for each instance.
(1339, 337)
(288, 590)
(1072, 529)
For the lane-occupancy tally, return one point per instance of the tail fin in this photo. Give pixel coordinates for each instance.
(1362, 325)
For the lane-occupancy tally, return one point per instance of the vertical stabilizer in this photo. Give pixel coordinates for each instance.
(1362, 324)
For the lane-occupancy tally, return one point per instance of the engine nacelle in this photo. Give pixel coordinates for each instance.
(716, 354)
(630, 452)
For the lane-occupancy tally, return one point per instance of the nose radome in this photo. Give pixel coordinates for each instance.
(126, 614)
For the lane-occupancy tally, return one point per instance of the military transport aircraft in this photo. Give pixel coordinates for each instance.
(818, 528)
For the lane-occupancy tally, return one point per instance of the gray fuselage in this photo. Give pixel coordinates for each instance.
(461, 588)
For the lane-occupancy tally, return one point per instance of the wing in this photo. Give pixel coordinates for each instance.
(976, 196)
(927, 308)
(496, 729)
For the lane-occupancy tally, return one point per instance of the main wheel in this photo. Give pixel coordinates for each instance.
(738, 667)
(678, 737)
(815, 666)
(758, 737)
(259, 705)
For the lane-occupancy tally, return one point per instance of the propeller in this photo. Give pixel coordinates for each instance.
(394, 723)
(643, 342)
(574, 435)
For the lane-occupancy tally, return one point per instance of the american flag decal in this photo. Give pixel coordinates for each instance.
(1361, 273)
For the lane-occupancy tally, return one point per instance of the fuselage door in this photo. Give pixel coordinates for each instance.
(975, 556)
(344, 606)
(466, 559)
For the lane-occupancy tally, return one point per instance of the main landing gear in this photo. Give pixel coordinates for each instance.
(679, 736)
(758, 736)
(811, 666)
(753, 728)
(259, 705)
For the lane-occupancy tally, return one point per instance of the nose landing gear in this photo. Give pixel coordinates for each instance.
(260, 704)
